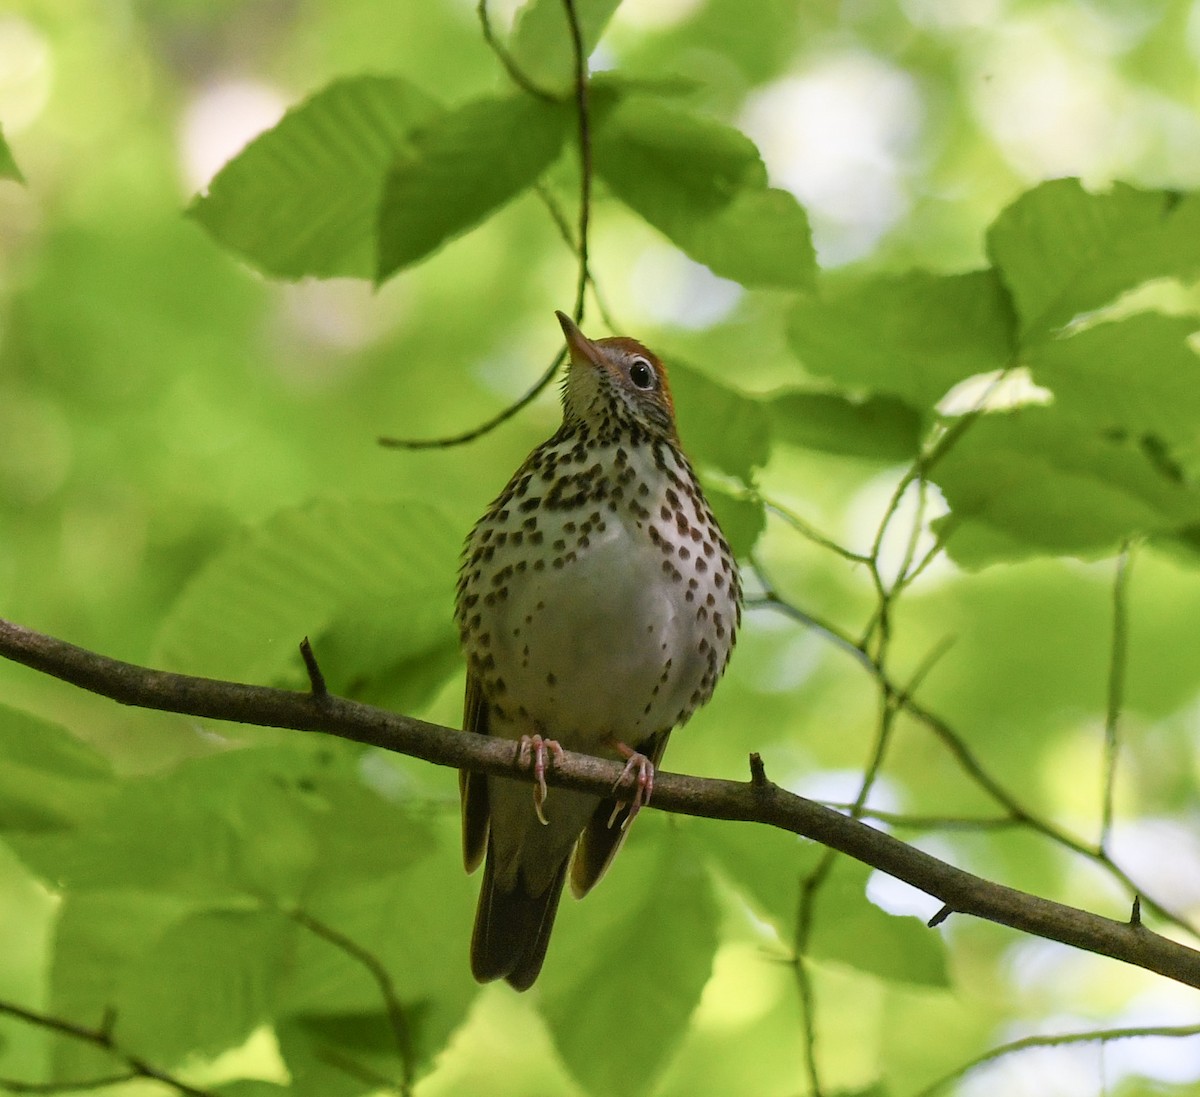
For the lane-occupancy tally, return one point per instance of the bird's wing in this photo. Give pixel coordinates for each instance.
(472, 787)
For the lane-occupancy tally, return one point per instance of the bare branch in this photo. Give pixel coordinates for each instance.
(768, 804)
(101, 1038)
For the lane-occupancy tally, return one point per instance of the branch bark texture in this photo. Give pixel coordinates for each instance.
(754, 801)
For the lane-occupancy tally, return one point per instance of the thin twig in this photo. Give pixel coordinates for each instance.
(1101, 1036)
(1116, 687)
(485, 427)
(966, 759)
(102, 1039)
(397, 1017)
(579, 58)
(13, 1085)
(810, 533)
(506, 59)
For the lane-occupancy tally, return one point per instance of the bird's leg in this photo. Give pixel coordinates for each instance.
(532, 749)
(643, 788)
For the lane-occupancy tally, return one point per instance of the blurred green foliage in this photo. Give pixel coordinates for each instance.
(924, 271)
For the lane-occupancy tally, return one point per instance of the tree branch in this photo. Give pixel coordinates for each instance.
(101, 1038)
(751, 801)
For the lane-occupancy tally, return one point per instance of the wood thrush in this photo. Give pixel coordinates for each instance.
(597, 606)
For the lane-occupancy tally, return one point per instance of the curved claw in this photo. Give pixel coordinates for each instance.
(532, 751)
(643, 783)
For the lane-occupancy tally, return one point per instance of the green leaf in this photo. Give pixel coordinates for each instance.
(302, 199)
(763, 863)
(252, 1087)
(541, 41)
(417, 925)
(49, 780)
(1037, 482)
(277, 822)
(742, 518)
(761, 239)
(1062, 251)
(204, 985)
(8, 165)
(768, 867)
(703, 186)
(462, 167)
(336, 1054)
(720, 426)
(850, 929)
(1138, 376)
(315, 568)
(879, 428)
(913, 336)
(97, 936)
(656, 918)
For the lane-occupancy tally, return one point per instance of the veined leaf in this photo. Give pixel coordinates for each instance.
(310, 569)
(1063, 251)
(913, 335)
(702, 184)
(462, 167)
(662, 913)
(541, 41)
(302, 199)
(1036, 481)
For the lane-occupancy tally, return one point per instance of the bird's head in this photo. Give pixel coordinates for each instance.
(617, 382)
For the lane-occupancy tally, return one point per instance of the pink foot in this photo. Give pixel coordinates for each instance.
(532, 750)
(643, 783)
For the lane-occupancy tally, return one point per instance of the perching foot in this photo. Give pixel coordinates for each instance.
(532, 751)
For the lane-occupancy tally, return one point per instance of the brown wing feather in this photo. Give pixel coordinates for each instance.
(472, 787)
(600, 843)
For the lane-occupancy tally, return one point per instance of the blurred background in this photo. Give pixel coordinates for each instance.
(157, 397)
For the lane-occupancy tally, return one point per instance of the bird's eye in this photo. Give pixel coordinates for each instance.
(641, 374)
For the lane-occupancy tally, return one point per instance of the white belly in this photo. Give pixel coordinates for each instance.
(613, 635)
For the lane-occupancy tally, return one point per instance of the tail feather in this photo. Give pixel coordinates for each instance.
(512, 929)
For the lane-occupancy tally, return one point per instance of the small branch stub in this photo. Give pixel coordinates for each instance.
(940, 917)
(315, 677)
(758, 772)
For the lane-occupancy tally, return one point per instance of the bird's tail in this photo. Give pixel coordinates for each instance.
(512, 928)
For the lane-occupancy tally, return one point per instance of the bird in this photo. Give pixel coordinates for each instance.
(597, 605)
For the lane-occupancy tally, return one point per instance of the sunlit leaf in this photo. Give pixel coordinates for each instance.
(310, 569)
(1063, 251)
(703, 186)
(8, 165)
(204, 985)
(303, 198)
(277, 822)
(541, 42)
(913, 336)
(1137, 376)
(850, 929)
(49, 780)
(460, 168)
(1035, 481)
(660, 924)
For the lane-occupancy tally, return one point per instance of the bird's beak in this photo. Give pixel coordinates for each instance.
(580, 347)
